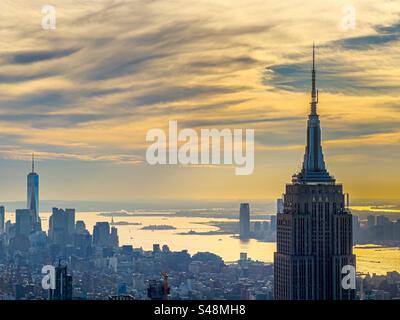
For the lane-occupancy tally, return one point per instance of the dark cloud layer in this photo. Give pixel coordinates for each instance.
(338, 75)
(384, 35)
(233, 122)
(38, 56)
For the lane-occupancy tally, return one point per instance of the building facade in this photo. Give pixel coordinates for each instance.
(2, 219)
(62, 226)
(314, 230)
(23, 221)
(244, 221)
(33, 196)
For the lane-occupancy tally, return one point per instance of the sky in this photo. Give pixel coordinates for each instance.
(83, 96)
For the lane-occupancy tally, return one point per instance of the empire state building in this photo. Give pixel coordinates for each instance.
(314, 231)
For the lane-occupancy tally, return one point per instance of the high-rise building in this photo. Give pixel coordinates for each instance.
(33, 195)
(279, 205)
(356, 229)
(80, 227)
(371, 221)
(101, 234)
(397, 230)
(62, 226)
(155, 290)
(23, 221)
(314, 232)
(70, 216)
(82, 239)
(2, 217)
(244, 221)
(158, 289)
(9, 229)
(382, 220)
(63, 280)
(273, 223)
(114, 239)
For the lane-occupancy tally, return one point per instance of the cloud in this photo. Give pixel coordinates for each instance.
(336, 73)
(174, 94)
(38, 56)
(15, 153)
(52, 120)
(234, 122)
(383, 35)
(358, 65)
(113, 70)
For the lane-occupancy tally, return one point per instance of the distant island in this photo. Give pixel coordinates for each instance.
(125, 223)
(223, 228)
(158, 227)
(121, 213)
(204, 233)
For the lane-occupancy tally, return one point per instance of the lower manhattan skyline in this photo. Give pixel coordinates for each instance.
(212, 151)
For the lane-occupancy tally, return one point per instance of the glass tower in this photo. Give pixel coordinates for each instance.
(33, 194)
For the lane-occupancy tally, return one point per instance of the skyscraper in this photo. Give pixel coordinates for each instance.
(114, 239)
(273, 223)
(33, 195)
(314, 231)
(70, 216)
(2, 217)
(62, 226)
(23, 221)
(356, 229)
(371, 221)
(279, 205)
(101, 234)
(80, 227)
(244, 221)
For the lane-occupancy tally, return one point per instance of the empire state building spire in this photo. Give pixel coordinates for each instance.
(314, 91)
(313, 170)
